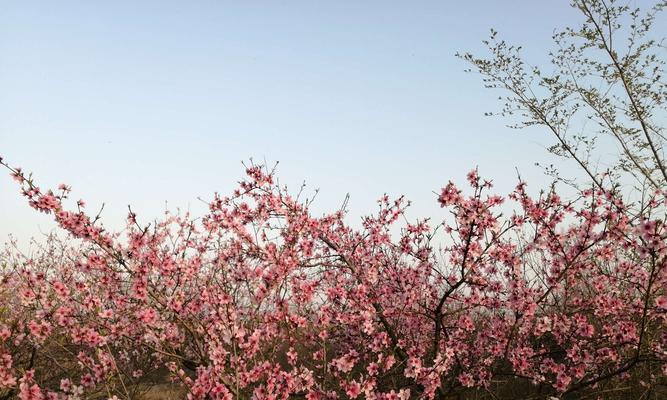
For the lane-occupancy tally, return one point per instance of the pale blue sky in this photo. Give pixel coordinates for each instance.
(145, 102)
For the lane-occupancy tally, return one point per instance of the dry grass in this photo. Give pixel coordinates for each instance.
(163, 392)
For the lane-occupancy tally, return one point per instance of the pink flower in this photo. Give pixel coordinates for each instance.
(65, 385)
(562, 382)
(40, 330)
(346, 362)
(28, 390)
(466, 379)
(291, 356)
(87, 381)
(7, 378)
(147, 315)
(449, 195)
(5, 333)
(353, 390)
(17, 175)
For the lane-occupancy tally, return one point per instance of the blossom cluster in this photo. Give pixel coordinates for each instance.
(259, 298)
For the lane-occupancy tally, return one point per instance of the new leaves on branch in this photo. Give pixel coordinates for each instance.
(606, 80)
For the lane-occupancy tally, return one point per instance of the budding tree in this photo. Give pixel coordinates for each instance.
(606, 81)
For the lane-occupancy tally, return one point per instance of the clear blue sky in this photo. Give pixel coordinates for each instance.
(145, 102)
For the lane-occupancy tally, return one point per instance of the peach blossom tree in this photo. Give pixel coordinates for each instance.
(259, 298)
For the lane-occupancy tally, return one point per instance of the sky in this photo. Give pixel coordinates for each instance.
(155, 104)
